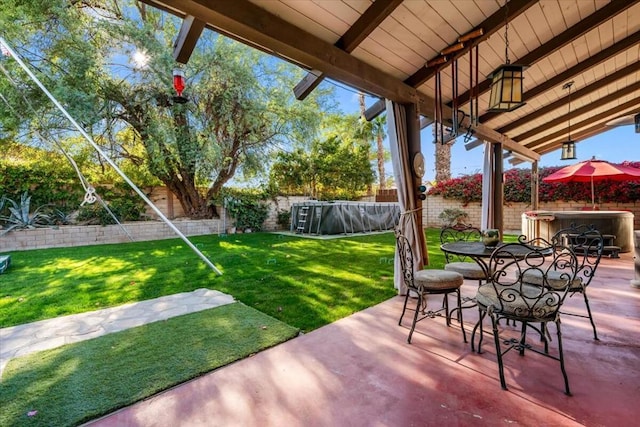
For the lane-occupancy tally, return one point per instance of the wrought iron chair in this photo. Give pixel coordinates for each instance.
(507, 296)
(588, 244)
(459, 263)
(427, 282)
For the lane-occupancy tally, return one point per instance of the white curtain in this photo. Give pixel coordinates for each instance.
(487, 188)
(397, 131)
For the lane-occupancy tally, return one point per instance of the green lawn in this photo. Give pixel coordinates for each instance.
(306, 283)
(79, 382)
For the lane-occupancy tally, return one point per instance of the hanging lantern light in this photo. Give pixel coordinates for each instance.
(568, 147)
(568, 151)
(179, 83)
(506, 81)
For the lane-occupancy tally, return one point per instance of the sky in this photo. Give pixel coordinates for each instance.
(619, 144)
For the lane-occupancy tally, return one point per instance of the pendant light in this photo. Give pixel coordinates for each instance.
(568, 147)
(506, 81)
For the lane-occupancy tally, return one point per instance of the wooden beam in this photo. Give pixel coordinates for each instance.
(562, 102)
(473, 144)
(578, 112)
(584, 134)
(599, 58)
(246, 21)
(368, 21)
(360, 30)
(308, 83)
(573, 32)
(375, 110)
(425, 121)
(187, 38)
(487, 134)
(628, 107)
(489, 26)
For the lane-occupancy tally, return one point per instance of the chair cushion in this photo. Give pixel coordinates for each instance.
(438, 279)
(553, 278)
(469, 270)
(514, 305)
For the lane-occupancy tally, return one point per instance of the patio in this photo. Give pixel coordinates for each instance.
(360, 371)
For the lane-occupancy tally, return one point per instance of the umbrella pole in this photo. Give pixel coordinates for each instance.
(593, 197)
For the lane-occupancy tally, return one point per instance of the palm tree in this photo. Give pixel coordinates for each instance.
(374, 130)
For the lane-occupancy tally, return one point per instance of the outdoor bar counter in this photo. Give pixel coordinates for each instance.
(546, 223)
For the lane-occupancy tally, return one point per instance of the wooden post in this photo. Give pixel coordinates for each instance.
(498, 189)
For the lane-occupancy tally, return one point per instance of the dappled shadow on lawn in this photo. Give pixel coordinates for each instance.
(306, 283)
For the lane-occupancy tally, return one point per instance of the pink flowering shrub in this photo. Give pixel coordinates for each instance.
(517, 188)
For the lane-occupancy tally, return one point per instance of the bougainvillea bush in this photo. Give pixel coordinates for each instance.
(517, 188)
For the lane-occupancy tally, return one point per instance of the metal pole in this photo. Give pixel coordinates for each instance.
(108, 160)
(636, 281)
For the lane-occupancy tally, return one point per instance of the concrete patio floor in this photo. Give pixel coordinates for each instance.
(360, 371)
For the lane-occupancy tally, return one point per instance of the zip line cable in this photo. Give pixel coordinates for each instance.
(90, 140)
(90, 194)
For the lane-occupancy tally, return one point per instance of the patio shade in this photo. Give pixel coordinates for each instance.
(594, 171)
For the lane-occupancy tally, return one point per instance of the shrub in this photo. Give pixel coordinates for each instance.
(453, 216)
(284, 219)
(517, 188)
(124, 209)
(20, 215)
(246, 207)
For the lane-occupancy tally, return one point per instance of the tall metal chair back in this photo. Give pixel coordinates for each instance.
(588, 245)
(508, 296)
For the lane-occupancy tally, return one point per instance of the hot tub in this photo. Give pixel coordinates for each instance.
(546, 223)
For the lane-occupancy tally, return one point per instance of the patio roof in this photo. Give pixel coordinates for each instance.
(383, 47)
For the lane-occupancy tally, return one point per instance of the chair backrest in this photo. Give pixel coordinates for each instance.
(509, 263)
(405, 254)
(587, 243)
(459, 233)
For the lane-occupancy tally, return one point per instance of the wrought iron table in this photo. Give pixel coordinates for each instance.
(481, 254)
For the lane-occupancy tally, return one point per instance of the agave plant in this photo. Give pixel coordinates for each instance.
(20, 216)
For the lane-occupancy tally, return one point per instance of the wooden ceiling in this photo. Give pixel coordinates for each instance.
(383, 47)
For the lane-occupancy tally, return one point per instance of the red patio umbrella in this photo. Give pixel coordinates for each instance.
(594, 171)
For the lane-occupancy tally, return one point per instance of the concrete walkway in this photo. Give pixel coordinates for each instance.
(51, 333)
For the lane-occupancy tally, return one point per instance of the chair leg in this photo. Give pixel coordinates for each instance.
(415, 318)
(446, 310)
(561, 357)
(464, 334)
(593, 324)
(523, 337)
(481, 314)
(494, 322)
(404, 307)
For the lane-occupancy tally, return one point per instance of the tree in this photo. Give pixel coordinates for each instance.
(374, 130)
(241, 108)
(335, 167)
(442, 158)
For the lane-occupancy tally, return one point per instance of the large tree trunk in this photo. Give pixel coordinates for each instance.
(179, 176)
